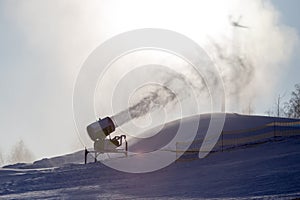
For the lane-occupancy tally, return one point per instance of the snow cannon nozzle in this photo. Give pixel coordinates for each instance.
(101, 128)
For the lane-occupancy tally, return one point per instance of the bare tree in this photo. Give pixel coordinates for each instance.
(1, 158)
(249, 109)
(278, 109)
(279, 106)
(20, 153)
(292, 107)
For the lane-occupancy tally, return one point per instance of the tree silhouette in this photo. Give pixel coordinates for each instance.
(278, 109)
(20, 153)
(292, 107)
(1, 159)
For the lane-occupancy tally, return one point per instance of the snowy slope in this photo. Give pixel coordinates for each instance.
(268, 170)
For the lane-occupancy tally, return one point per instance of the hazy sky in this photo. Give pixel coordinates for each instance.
(290, 16)
(44, 43)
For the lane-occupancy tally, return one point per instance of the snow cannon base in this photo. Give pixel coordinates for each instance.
(118, 144)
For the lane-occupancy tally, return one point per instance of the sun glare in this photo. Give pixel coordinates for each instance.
(196, 19)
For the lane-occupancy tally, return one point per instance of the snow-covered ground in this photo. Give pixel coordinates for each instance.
(270, 170)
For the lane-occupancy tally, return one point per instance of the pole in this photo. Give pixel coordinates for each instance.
(274, 129)
(222, 139)
(85, 155)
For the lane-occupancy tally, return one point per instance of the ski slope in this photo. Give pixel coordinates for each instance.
(268, 170)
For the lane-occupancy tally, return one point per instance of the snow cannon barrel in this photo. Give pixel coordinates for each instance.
(101, 128)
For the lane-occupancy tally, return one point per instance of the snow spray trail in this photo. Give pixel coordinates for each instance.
(160, 97)
(238, 70)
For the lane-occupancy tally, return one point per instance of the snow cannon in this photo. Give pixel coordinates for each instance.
(100, 129)
(99, 132)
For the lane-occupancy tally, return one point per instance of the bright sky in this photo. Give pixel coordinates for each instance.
(43, 45)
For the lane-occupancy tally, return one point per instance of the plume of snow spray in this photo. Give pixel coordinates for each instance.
(238, 71)
(152, 101)
(160, 97)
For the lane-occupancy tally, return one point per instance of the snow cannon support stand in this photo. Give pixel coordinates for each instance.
(98, 132)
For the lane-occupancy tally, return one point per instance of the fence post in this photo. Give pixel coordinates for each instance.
(222, 139)
(176, 153)
(274, 129)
